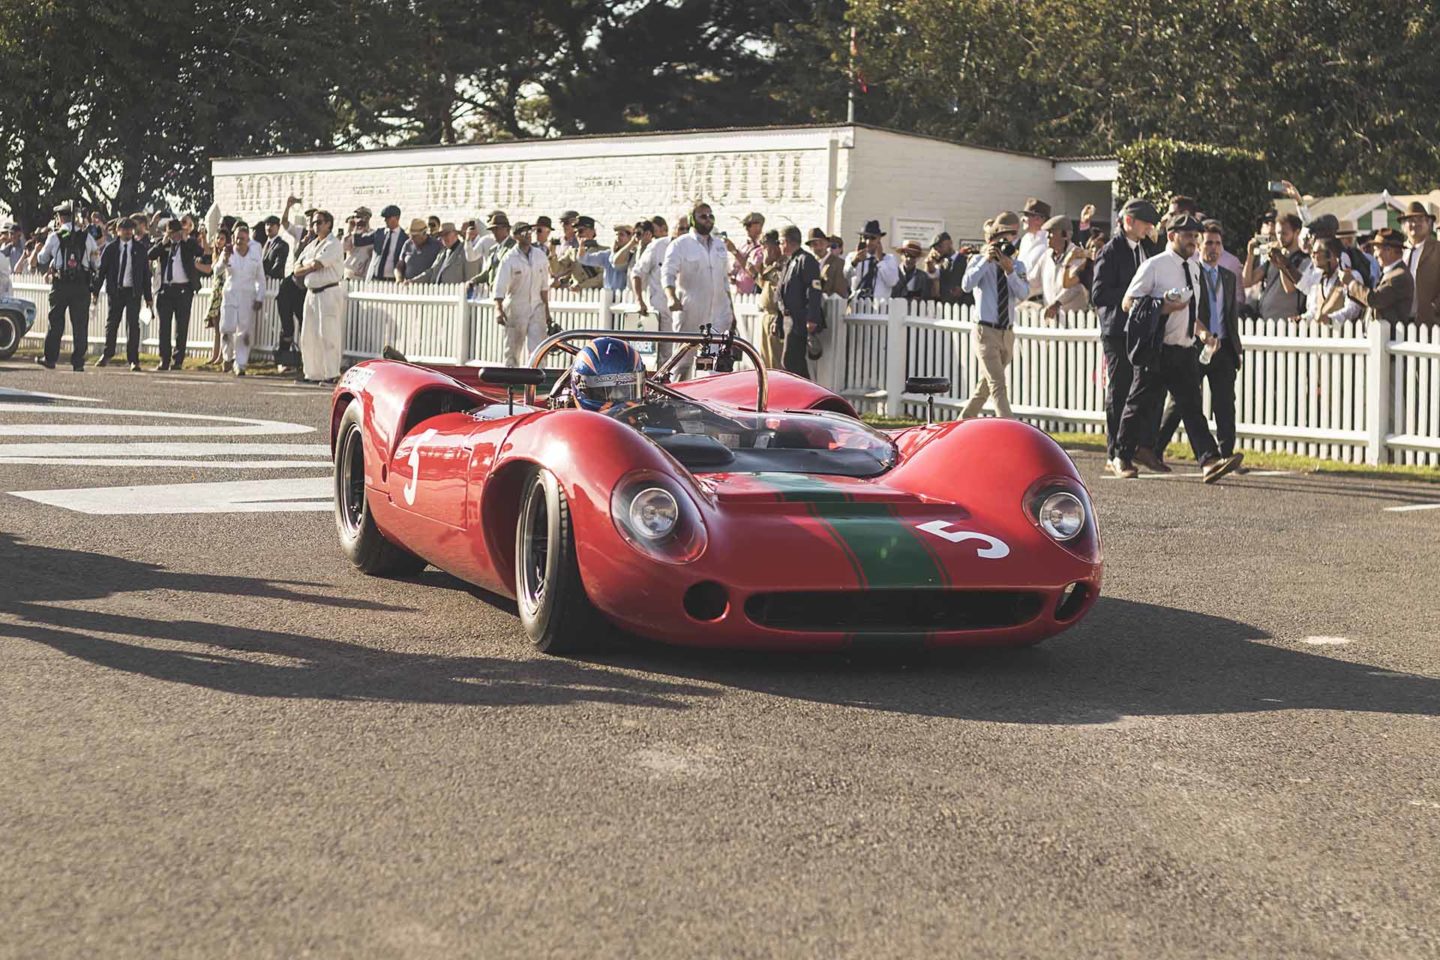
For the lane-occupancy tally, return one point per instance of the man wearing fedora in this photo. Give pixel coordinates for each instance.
(1115, 266)
(418, 252)
(1422, 259)
(1034, 239)
(827, 252)
(871, 272)
(449, 265)
(997, 280)
(914, 282)
(801, 302)
(1393, 297)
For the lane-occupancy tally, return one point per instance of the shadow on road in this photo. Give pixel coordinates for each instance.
(1125, 659)
(269, 663)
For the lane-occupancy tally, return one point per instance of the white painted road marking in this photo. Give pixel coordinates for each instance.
(1324, 641)
(160, 449)
(163, 462)
(236, 426)
(6, 393)
(1413, 506)
(302, 494)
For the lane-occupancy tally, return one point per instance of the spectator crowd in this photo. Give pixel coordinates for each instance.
(1168, 293)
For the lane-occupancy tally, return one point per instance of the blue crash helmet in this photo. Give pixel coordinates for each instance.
(607, 371)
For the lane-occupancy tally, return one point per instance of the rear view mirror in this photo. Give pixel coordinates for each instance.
(928, 387)
(512, 376)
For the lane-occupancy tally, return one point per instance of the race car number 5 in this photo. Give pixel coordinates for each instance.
(414, 461)
(994, 548)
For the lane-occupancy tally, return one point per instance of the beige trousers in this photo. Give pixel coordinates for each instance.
(995, 348)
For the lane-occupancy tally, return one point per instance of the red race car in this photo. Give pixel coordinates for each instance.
(742, 509)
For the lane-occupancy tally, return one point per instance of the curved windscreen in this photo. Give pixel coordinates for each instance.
(710, 440)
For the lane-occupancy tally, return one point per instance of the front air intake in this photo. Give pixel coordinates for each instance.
(893, 611)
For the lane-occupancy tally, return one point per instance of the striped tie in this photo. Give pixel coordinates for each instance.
(1002, 298)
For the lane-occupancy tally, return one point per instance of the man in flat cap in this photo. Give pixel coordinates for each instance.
(386, 242)
(419, 251)
(1114, 269)
(1033, 239)
(748, 260)
(1172, 278)
(449, 265)
(357, 254)
(499, 247)
(576, 274)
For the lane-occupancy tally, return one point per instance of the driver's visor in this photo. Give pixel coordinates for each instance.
(610, 387)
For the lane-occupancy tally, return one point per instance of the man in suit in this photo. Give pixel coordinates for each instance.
(1219, 314)
(179, 270)
(125, 275)
(1114, 269)
(449, 265)
(827, 253)
(387, 242)
(1394, 293)
(1422, 259)
(802, 312)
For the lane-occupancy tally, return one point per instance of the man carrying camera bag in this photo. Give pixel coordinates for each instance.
(997, 279)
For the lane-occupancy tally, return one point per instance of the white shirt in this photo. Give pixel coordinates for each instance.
(887, 274)
(126, 262)
(396, 239)
(357, 259)
(476, 249)
(1031, 251)
(1052, 281)
(245, 275)
(6, 289)
(700, 275)
(329, 255)
(1412, 260)
(523, 277)
(1166, 271)
(649, 267)
(1317, 288)
(51, 250)
(177, 266)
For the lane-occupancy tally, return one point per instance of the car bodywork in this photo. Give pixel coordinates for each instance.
(938, 543)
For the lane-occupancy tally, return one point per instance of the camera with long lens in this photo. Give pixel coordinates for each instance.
(1005, 248)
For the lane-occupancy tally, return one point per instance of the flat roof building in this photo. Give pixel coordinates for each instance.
(831, 176)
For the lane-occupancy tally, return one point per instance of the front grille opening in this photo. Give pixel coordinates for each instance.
(896, 611)
(1071, 601)
(707, 601)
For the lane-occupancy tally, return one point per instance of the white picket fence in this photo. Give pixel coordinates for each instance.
(1361, 393)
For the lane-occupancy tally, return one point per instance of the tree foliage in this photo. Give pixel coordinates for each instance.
(119, 105)
(1231, 183)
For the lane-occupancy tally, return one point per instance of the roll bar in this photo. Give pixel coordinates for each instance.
(703, 341)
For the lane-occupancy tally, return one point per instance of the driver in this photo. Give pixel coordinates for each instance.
(607, 372)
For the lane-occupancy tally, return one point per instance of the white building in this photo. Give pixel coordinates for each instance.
(831, 176)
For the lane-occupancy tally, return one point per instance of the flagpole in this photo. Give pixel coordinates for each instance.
(850, 87)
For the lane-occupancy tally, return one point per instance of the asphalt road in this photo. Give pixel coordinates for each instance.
(221, 741)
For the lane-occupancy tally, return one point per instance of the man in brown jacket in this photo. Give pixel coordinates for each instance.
(1422, 259)
(827, 251)
(1393, 296)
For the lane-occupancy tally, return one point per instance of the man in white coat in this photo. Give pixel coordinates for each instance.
(697, 281)
(522, 296)
(322, 334)
(243, 298)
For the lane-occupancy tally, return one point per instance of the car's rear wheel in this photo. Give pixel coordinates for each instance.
(554, 608)
(360, 539)
(9, 335)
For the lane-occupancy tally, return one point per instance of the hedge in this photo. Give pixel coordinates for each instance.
(1231, 185)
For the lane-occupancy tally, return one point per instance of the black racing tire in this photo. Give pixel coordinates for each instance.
(9, 335)
(554, 609)
(360, 540)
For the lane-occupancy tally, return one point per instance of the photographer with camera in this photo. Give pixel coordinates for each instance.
(946, 269)
(179, 269)
(872, 273)
(997, 279)
(1268, 264)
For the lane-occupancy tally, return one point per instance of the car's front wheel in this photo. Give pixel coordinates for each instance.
(360, 539)
(554, 608)
(9, 335)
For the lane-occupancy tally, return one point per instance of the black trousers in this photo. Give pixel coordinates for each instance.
(290, 304)
(1177, 370)
(173, 305)
(1119, 375)
(1220, 372)
(75, 298)
(794, 356)
(126, 302)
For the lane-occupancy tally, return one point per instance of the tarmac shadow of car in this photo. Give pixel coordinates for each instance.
(1126, 659)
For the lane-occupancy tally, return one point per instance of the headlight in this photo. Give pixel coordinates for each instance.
(654, 513)
(657, 515)
(1062, 515)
